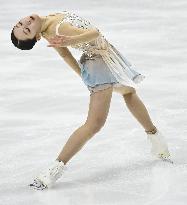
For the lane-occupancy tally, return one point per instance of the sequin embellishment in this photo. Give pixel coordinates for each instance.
(79, 22)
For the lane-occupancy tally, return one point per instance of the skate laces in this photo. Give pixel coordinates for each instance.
(55, 170)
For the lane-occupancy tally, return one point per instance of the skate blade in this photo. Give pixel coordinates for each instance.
(38, 185)
(166, 160)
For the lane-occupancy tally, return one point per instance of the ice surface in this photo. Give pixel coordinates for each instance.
(42, 101)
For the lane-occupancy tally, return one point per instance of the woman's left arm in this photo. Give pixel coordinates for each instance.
(74, 37)
(86, 36)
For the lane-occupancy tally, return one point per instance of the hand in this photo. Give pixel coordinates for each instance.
(61, 41)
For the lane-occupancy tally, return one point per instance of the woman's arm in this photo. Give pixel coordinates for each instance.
(87, 36)
(71, 36)
(69, 59)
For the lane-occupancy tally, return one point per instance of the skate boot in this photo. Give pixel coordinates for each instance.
(47, 178)
(159, 146)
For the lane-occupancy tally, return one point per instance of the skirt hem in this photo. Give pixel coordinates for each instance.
(104, 86)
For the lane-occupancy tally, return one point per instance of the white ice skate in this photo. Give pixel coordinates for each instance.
(159, 146)
(47, 178)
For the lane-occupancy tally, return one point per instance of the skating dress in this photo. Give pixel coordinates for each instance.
(100, 70)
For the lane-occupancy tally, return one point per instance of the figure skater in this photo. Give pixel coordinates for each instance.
(102, 68)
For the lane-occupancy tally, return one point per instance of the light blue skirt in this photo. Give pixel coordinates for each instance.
(94, 71)
(97, 76)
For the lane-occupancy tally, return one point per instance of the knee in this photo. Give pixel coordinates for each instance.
(95, 125)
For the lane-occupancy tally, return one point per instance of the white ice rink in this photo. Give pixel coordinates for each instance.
(43, 101)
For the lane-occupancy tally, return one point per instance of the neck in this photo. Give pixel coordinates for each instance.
(47, 21)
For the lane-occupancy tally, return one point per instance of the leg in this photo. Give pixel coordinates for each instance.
(98, 111)
(139, 111)
(97, 114)
(159, 146)
(136, 107)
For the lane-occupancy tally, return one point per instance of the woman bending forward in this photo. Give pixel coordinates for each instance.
(102, 68)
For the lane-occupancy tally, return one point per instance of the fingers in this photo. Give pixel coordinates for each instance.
(58, 41)
(60, 37)
(53, 45)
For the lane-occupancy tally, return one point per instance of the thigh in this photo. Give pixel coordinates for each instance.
(123, 90)
(99, 107)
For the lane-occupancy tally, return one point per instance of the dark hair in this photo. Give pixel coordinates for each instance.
(23, 44)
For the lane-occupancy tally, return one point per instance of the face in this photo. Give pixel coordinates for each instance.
(28, 27)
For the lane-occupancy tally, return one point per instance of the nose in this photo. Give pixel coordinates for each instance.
(27, 22)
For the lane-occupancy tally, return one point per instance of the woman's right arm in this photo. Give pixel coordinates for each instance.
(69, 59)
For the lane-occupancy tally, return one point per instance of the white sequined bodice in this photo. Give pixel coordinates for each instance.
(79, 22)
